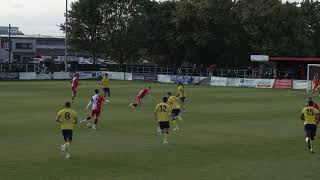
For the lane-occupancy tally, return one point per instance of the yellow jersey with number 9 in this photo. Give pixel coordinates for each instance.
(310, 115)
(67, 117)
(163, 111)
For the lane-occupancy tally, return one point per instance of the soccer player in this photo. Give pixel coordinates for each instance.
(142, 93)
(182, 94)
(96, 101)
(310, 116)
(162, 115)
(74, 85)
(173, 101)
(67, 118)
(315, 83)
(105, 85)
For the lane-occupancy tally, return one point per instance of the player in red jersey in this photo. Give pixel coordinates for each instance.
(74, 85)
(315, 104)
(142, 93)
(96, 101)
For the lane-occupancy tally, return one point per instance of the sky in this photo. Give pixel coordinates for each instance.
(36, 16)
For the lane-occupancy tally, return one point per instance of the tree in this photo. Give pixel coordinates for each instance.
(311, 14)
(84, 27)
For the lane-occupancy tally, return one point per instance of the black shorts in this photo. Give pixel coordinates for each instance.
(175, 112)
(107, 90)
(164, 125)
(67, 134)
(182, 99)
(310, 130)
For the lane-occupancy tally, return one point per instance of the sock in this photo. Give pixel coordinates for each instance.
(64, 147)
(307, 139)
(174, 123)
(95, 121)
(165, 137)
(67, 147)
(179, 118)
(311, 143)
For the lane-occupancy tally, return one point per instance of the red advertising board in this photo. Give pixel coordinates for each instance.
(283, 84)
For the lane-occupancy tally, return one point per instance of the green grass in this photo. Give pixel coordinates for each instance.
(229, 134)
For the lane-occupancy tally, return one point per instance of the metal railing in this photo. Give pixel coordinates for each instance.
(7, 68)
(139, 69)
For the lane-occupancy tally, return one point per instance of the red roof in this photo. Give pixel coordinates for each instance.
(293, 59)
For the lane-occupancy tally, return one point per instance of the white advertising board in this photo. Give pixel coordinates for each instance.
(244, 82)
(264, 83)
(233, 82)
(61, 75)
(300, 84)
(28, 76)
(164, 78)
(218, 81)
(44, 76)
(128, 76)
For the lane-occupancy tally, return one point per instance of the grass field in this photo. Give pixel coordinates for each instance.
(228, 134)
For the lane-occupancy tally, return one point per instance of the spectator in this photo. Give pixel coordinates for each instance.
(179, 71)
(202, 70)
(275, 72)
(300, 72)
(212, 70)
(249, 72)
(235, 73)
(229, 73)
(194, 69)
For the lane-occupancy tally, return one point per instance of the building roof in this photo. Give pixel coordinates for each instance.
(33, 36)
(293, 59)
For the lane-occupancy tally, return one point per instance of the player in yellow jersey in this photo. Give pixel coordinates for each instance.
(182, 94)
(162, 114)
(67, 118)
(173, 101)
(310, 116)
(105, 85)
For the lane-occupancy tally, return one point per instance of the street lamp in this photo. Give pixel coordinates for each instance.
(66, 40)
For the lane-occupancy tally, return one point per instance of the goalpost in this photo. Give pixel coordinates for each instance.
(311, 72)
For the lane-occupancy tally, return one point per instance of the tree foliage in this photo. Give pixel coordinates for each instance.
(223, 32)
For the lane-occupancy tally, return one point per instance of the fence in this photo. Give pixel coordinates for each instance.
(137, 69)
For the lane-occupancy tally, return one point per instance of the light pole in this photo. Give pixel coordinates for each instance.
(66, 40)
(10, 43)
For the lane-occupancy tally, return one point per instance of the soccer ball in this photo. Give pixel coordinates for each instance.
(89, 125)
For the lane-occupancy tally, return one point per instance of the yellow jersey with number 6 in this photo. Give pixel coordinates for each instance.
(310, 115)
(163, 111)
(68, 118)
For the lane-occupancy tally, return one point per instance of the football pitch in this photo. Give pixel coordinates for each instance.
(228, 134)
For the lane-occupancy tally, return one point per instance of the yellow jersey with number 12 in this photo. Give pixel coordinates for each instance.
(67, 117)
(163, 111)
